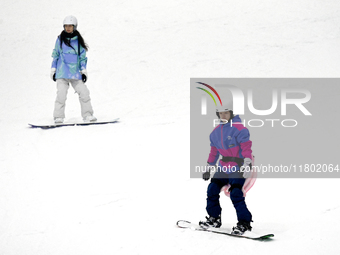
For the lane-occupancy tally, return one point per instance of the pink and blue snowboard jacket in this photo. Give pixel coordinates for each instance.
(229, 140)
(67, 61)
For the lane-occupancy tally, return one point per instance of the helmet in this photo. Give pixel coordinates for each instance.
(225, 108)
(71, 20)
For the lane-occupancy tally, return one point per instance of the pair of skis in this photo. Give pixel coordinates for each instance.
(188, 224)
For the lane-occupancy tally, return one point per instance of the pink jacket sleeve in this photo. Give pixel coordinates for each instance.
(213, 155)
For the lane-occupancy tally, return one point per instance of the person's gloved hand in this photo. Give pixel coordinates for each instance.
(52, 74)
(246, 168)
(84, 75)
(206, 175)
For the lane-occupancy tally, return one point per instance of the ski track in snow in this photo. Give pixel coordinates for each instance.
(120, 188)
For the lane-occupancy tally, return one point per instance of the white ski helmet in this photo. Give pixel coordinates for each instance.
(225, 108)
(71, 20)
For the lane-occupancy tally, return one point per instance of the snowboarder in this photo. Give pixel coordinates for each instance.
(230, 139)
(69, 67)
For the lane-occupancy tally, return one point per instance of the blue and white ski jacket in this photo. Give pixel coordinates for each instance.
(67, 61)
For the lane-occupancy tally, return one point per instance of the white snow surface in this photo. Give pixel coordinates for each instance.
(120, 188)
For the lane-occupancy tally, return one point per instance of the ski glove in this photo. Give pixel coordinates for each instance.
(52, 75)
(84, 75)
(206, 175)
(246, 168)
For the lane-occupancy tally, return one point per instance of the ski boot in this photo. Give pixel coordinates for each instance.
(211, 222)
(241, 227)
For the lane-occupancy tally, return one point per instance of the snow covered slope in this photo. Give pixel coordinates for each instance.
(120, 188)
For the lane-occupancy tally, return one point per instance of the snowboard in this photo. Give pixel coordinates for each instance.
(68, 124)
(188, 224)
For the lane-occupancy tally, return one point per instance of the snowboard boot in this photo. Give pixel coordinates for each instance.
(211, 222)
(90, 119)
(241, 227)
(58, 120)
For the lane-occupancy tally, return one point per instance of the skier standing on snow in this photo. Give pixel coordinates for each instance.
(69, 67)
(231, 140)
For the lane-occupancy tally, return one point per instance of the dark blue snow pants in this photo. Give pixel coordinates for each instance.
(219, 180)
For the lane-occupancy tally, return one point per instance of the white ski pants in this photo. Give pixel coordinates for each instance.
(84, 97)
